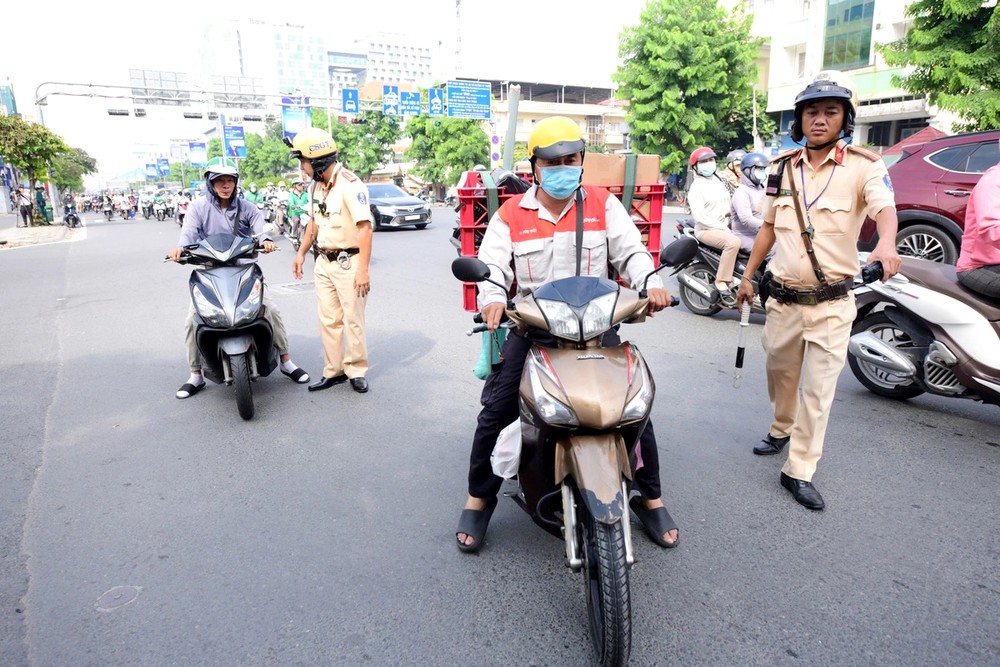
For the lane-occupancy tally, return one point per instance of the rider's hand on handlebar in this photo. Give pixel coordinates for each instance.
(492, 313)
(175, 254)
(659, 298)
(268, 246)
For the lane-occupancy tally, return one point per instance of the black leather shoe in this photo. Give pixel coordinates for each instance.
(805, 493)
(326, 383)
(771, 445)
(359, 385)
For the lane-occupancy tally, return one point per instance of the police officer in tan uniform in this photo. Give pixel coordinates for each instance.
(830, 186)
(341, 226)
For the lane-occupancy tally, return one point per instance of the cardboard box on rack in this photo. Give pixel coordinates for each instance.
(609, 169)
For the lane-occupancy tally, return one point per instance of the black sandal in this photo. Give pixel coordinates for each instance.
(189, 390)
(474, 524)
(298, 375)
(655, 522)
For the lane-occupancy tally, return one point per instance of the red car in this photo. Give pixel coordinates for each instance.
(932, 183)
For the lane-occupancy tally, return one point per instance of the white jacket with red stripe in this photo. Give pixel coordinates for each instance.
(544, 249)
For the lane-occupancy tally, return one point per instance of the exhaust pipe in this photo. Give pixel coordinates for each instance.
(871, 349)
(697, 286)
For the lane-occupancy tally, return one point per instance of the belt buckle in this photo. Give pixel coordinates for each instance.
(344, 259)
(806, 298)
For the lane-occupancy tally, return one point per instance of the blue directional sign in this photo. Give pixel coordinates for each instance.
(351, 100)
(151, 170)
(468, 99)
(163, 165)
(390, 100)
(435, 101)
(236, 143)
(409, 104)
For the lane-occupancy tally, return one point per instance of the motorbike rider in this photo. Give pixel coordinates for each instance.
(979, 260)
(219, 211)
(709, 200)
(811, 308)
(298, 200)
(745, 213)
(733, 167)
(253, 196)
(545, 216)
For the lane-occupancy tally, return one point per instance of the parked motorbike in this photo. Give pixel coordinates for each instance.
(583, 406)
(921, 332)
(160, 209)
(234, 339)
(70, 216)
(696, 278)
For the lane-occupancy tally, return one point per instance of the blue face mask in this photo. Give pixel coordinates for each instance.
(706, 168)
(562, 181)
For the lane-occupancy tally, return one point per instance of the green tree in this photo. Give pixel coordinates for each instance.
(70, 167)
(267, 156)
(954, 50)
(29, 147)
(363, 146)
(688, 73)
(445, 147)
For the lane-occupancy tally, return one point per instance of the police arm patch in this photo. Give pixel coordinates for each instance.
(363, 200)
(888, 183)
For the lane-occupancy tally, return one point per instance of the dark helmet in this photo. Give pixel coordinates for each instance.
(735, 156)
(827, 85)
(753, 161)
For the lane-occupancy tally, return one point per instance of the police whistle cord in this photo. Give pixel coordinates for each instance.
(741, 344)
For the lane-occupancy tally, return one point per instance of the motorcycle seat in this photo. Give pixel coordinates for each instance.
(943, 278)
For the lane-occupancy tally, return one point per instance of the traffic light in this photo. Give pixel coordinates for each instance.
(357, 121)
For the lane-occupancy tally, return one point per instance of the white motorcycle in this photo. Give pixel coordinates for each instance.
(922, 331)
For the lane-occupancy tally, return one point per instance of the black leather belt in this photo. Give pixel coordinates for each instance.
(333, 254)
(837, 290)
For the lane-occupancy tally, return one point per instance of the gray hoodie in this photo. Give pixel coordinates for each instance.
(745, 211)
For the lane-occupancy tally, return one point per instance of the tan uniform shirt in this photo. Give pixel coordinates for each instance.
(850, 183)
(346, 204)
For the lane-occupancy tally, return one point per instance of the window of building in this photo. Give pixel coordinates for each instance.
(848, 40)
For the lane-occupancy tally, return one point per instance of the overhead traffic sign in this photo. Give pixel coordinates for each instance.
(469, 99)
(409, 104)
(350, 100)
(390, 100)
(435, 101)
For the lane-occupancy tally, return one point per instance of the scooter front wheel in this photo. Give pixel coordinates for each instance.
(240, 367)
(609, 602)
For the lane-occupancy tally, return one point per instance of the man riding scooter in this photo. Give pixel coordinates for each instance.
(539, 229)
(220, 211)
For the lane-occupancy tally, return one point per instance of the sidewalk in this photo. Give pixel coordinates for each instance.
(12, 236)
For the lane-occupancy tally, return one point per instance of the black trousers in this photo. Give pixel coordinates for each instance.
(500, 408)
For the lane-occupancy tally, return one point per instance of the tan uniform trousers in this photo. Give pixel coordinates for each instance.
(271, 314)
(807, 343)
(341, 319)
(729, 244)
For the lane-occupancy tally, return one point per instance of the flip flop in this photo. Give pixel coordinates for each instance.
(188, 390)
(298, 375)
(655, 522)
(474, 523)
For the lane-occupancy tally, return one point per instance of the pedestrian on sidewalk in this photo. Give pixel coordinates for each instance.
(40, 203)
(24, 206)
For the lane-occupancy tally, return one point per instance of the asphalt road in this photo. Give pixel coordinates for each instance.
(137, 529)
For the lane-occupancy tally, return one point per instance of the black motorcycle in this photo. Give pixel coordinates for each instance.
(234, 339)
(70, 217)
(696, 277)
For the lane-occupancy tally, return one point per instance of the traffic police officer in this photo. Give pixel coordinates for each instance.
(341, 226)
(811, 308)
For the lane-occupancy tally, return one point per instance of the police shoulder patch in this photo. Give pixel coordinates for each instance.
(349, 175)
(888, 182)
(864, 152)
(785, 154)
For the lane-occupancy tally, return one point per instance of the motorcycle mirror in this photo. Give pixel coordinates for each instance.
(679, 251)
(269, 229)
(470, 269)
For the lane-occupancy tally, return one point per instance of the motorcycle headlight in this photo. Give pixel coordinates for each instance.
(551, 409)
(563, 322)
(597, 317)
(251, 306)
(212, 314)
(637, 407)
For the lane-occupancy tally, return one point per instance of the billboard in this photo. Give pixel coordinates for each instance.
(198, 152)
(163, 165)
(295, 115)
(236, 143)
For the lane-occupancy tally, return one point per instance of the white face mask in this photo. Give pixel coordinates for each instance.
(759, 175)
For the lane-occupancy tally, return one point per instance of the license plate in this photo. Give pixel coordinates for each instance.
(411, 217)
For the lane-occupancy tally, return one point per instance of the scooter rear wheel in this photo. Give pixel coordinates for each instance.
(240, 367)
(879, 380)
(693, 301)
(606, 585)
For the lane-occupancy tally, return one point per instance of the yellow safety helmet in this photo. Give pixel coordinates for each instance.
(311, 143)
(553, 137)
